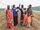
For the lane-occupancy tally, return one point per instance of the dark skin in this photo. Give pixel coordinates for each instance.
(8, 7)
(21, 11)
(21, 14)
(29, 10)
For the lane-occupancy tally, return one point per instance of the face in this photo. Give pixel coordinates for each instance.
(22, 6)
(13, 5)
(24, 14)
(30, 6)
(8, 7)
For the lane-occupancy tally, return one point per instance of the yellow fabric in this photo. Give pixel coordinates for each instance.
(29, 19)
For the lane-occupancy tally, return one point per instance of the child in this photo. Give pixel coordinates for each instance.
(25, 19)
(9, 15)
(29, 21)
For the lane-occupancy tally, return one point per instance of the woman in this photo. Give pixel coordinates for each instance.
(29, 14)
(9, 16)
(19, 15)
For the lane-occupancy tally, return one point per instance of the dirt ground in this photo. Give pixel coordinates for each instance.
(35, 22)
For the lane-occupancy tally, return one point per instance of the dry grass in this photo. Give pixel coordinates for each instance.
(36, 23)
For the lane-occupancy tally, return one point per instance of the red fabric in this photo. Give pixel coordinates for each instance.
(9, 25)
(9, 14)
(25, 18)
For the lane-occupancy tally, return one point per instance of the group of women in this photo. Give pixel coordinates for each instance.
(17, 16)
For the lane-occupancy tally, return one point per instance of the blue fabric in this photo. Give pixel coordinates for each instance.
(14, 11)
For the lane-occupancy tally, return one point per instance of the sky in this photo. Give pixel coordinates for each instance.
(4, 3)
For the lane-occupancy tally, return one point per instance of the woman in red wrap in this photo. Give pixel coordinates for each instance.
(9, 16)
